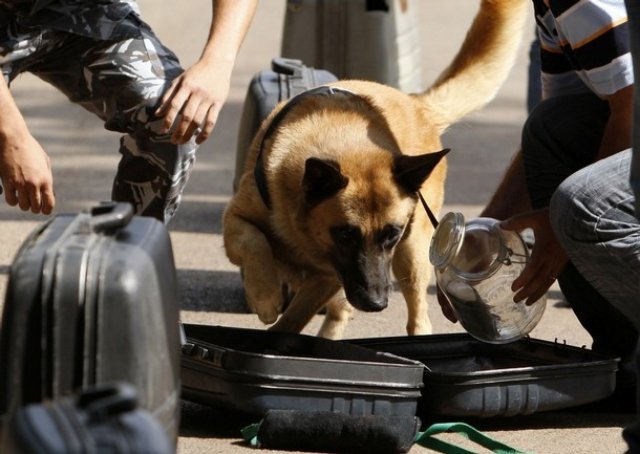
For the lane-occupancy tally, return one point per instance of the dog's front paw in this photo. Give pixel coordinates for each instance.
(266, 305)
(263, 294)
(267, 315)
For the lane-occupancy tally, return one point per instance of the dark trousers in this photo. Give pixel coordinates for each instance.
(561, 136)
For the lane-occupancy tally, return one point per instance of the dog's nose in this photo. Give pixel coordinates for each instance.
(375, 306)
(369, 303)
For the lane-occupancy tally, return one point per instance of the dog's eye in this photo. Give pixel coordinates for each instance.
(390, 236)
(346, 236)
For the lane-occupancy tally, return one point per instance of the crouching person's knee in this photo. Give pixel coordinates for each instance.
(568, 212)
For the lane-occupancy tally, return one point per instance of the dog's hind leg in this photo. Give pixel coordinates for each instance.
(412, 270)
(309, 298)
(338, 313)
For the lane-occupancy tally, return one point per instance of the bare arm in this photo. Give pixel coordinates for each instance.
(195, 98)
(25, 169)
(617, 133)
(511, 197)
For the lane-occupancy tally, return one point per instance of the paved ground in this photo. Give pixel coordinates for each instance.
(84, 157)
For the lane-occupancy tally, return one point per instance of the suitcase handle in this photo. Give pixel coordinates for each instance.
(287, 66)
(110, 215)
(102, 401)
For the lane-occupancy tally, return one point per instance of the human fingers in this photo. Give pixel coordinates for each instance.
(193, 113)
(539, 274)
(210, 123)
(23, 199)
(545, 279)
(173, 109)
(533, 268)
(535, 290)
(48, 199)
(199, 122)
(35, 200)
(10, 194)
(165, 101)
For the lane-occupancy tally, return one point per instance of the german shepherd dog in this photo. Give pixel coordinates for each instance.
(328, 205)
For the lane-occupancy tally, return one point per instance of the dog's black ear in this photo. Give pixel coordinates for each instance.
(411, 171)
(322, 179)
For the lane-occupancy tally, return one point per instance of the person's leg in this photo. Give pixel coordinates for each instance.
(561, 137)
(592, 214)
(122, 83)
(632, 433)
(19, 46)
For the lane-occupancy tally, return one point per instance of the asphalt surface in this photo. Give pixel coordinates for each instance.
(84, 157)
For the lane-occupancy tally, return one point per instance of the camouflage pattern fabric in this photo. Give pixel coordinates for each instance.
(115, 67)
(99, 19)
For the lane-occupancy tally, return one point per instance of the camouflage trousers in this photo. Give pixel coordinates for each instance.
(121, 82)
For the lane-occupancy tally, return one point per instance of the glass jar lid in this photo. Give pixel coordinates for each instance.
(447, 239)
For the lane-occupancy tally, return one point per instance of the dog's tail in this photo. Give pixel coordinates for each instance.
(482, 63)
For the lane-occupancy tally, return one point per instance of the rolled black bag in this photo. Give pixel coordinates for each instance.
(333, 432)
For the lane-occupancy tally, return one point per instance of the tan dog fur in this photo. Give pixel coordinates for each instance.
(294, 241)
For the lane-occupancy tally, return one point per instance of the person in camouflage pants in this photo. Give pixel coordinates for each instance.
(104, 57)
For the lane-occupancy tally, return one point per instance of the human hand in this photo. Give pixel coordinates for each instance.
(445, 306)
(193, 101)
(547, 257)
(25, 171)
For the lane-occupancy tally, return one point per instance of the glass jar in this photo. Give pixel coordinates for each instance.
(475, 264)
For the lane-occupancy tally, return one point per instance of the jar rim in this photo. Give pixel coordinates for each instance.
(446, 240)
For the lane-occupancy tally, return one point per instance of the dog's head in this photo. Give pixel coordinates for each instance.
(343, 192)
(357, 213)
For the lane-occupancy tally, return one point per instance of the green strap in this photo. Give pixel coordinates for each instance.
(427, 439)
(250, 434)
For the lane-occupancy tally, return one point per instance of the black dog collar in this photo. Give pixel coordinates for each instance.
(258, 171)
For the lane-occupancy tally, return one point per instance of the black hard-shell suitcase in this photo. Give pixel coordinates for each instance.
(254, 371)
(104, 419)
(287, 78)
(92, 299)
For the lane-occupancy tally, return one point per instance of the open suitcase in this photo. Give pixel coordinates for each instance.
(253, 371)
(439, 375)
(286, 78)
(91, 299)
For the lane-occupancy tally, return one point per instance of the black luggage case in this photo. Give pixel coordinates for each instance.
(98, 420)
(91, 299)
(286, 78)
(254, 371)
(436, 375)
(376, 40)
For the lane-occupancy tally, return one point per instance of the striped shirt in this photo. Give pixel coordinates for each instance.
(584, 46)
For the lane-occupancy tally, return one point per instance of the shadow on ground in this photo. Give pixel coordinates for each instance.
(211, 291)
